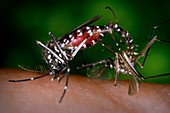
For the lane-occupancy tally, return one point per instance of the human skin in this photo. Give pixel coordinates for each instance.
(84, 95)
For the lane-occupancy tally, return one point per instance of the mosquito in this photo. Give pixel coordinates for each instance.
(59, 52)
(123, 61)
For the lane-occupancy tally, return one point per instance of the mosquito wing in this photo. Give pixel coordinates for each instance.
(100, 72)
(82, 25)
(133, 85)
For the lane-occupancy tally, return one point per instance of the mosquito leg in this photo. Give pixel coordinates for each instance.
(30, 79)
(107, 46)
(79, 47)
(145, 51)
(116, 42)
(39, 69)
(160, 75)
(116, 69)
(57, 75)
(92, 64)
(62, 75)
(145, 57)
(142, 53)
(66, 84)
(130, 65)
(28, 69)
(163, 41)
(43, 46)
(153, 35)
(57, 45)
(99, 62)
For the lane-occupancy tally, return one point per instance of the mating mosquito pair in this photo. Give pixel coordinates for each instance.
(59, 52)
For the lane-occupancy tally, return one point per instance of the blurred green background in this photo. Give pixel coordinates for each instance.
(24, 22)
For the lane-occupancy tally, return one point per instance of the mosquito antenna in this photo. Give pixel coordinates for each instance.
(107, 7)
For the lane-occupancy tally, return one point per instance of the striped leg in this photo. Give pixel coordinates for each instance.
(151, 38)
(30, 79)
(66, 84)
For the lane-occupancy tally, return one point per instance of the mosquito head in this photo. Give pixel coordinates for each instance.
(112, 25)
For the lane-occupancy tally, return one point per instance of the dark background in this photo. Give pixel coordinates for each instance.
(24, 22)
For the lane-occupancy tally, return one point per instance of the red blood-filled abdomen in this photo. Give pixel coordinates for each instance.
(78, 39)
